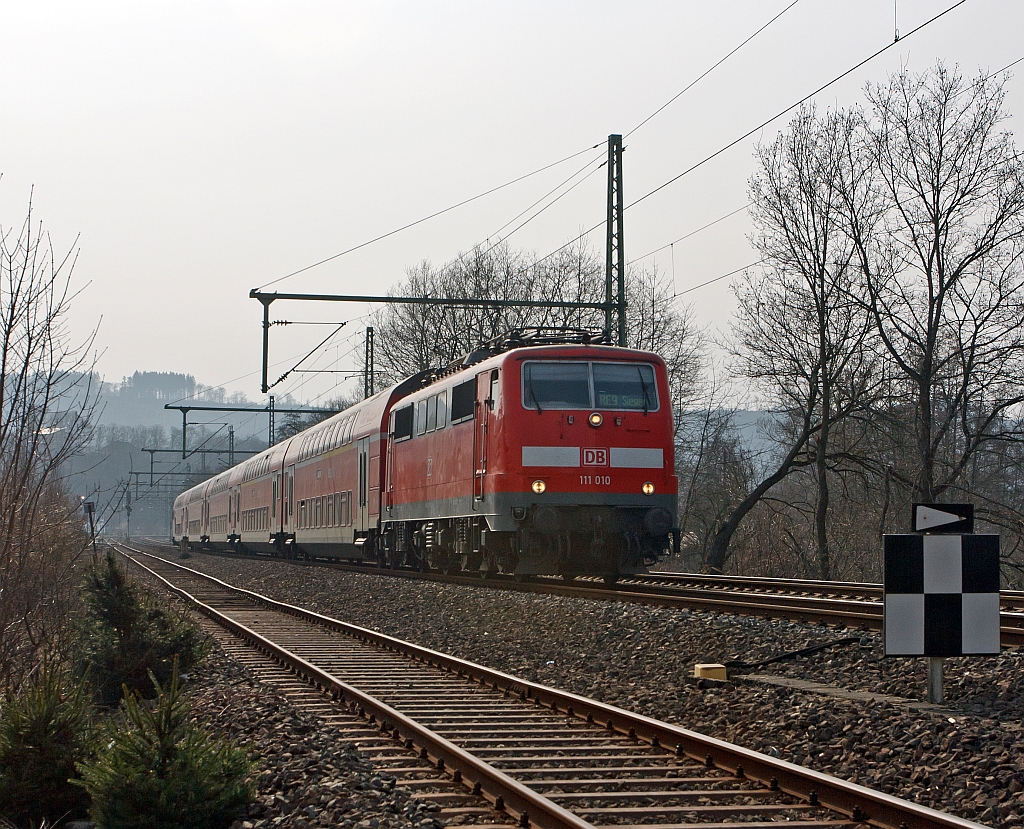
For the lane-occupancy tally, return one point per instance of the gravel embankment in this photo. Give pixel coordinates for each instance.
(966, 758)
(307, 774)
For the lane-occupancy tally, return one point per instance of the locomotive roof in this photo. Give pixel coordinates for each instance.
(548, 351)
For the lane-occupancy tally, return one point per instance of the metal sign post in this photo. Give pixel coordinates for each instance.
(935, 664)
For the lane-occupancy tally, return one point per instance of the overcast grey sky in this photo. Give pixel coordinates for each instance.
(205, 148)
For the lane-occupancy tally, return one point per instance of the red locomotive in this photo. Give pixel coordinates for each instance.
(528, 457)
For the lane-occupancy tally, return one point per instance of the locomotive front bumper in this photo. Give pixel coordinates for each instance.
(554, 512)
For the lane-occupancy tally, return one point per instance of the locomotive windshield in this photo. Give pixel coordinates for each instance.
(617, 386)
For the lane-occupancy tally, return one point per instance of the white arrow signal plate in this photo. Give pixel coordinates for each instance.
(928, 518)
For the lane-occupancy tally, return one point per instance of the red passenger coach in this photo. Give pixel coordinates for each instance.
(523, 458)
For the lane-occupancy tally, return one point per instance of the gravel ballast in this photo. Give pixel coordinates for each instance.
(966, 757)
(307, 774)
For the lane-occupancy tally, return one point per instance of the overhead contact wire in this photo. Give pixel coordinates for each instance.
(554, 189)
(542, 169)
(427, 218)
(694, 82)
(790, 108)
(691, 233)
(546, 206)
(761, 126)
(720, 278)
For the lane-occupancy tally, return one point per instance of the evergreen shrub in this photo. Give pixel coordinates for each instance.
(161, 771)
(128, 636)
(45, 729)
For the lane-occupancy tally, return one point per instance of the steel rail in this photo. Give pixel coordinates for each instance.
(529, 807)
(860, 803)
(860, 589)
(852, 613)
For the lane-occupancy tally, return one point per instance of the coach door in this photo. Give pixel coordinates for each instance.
(363, 483)
(486, 394)
(387, 496)
(275, 496)
(288, 508)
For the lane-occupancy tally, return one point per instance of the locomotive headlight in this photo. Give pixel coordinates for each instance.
(595, 419)
(647, 488)
(539, 486)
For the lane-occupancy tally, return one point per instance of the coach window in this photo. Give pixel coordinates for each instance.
(432, 413)
(442, 409)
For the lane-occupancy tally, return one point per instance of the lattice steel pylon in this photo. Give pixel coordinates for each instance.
(368, 364)
(615, 249)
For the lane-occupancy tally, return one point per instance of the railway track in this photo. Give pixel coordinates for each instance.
(538, 756)
(842, 604)
(868, 591)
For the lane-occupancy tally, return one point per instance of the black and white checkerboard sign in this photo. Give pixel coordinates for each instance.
(941, 595)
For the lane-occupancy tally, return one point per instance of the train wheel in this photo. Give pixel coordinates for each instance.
(569, 577)
(416, 561)
(611, 579)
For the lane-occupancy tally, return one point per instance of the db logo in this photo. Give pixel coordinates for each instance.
(595, 457)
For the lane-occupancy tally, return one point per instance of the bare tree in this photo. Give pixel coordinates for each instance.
(413, 338)
(800, 335)
(45, 407)
(941, 262)
(656, 321)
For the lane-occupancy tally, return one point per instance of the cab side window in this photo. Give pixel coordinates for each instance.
(442, 409)
(403, 426)
(463, 399)
(421, 417)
